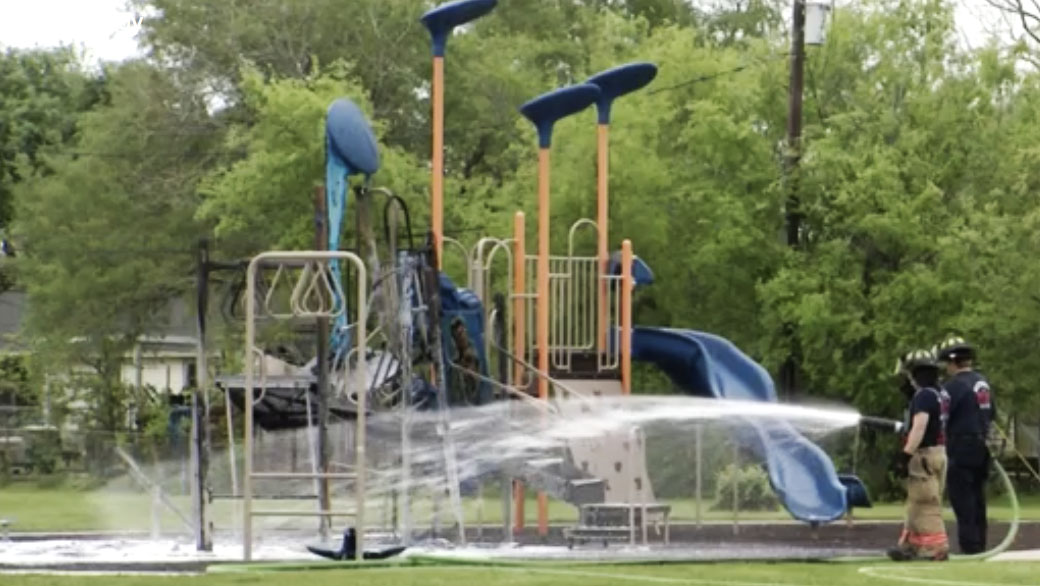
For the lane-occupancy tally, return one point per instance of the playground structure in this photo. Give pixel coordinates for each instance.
(396, 335)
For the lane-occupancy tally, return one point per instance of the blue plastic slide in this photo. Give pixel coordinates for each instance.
(706, 365)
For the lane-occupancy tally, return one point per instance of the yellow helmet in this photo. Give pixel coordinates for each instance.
(954, 347)
(915, 359)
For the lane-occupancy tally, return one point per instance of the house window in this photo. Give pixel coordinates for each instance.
(191, 376)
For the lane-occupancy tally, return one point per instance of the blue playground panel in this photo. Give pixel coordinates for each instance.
(350, 147)
(350, 137)
(440, 21)
(464, 304)
(621, 80)
(550, 107)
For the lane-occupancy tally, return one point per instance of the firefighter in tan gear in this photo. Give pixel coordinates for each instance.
(924, 452)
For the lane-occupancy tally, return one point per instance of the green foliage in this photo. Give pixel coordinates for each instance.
(15, 387)
(752, 486)
(901, 183)
(108, 235)
(671, 456)
(917, 181)
(43, 93)
(265, 199)
(44, 450)
(223, 43)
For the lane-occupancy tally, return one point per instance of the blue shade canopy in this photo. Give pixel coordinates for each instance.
(444, 18)
(549, 107)
(350, 137)
(621, 80)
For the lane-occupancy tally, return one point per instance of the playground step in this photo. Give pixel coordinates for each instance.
(606, 515)
(608, 522)
(582, 534)
(585, 365)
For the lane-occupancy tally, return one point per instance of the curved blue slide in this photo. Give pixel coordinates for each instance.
(800, 472)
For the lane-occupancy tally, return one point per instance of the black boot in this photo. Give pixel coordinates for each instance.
(902, 553)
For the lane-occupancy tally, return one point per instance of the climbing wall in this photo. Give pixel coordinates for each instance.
(618, 457)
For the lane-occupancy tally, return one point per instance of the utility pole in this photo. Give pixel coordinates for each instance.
(794, 122)
(792, 156)
(200, 404)
(321, 242)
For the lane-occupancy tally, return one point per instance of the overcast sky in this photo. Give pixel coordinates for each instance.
(105, 29)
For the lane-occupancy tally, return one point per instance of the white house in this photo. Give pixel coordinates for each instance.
(165, 362)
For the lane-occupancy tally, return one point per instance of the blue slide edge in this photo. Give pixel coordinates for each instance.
(707, 365)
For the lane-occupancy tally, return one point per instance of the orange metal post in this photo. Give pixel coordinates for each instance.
(543, 272)
(543, 307)
(602, 173)
(437, 179)
(519, 295)
(626, 316)
(519, 338)
(518, 507)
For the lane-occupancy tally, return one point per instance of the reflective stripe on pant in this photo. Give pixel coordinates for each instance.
(925, 530)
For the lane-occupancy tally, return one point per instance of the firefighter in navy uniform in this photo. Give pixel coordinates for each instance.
(924, 532)
(971, 414)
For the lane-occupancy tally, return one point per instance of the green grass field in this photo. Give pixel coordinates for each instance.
(820, 574)
(37, 509)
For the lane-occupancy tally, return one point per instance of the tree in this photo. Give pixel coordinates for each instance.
(731, 23)
(655, 12)
(221, 41)
(41, 94)
(918, 175)
(107, 236)
(907, 140)
(1026, 13)
(264, 200)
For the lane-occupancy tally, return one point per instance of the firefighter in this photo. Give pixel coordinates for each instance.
(924, 455)
(971, 414)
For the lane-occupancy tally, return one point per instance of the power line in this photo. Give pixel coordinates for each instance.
(202, 129)
(716, 75)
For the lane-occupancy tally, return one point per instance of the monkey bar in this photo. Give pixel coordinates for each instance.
(317, 293)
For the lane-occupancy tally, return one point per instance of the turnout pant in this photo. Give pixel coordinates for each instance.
(967, 476)
(924, 530)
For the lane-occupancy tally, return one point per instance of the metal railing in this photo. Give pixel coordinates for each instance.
(585, 304)
(313, 295)
(460, 248)
(485, 252)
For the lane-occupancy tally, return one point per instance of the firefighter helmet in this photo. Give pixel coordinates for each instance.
(915, 360)
(954, 348)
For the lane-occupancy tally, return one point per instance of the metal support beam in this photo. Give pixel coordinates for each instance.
(321, 242)
(200, 406)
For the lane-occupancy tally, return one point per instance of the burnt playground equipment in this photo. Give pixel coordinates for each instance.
(383, 315)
